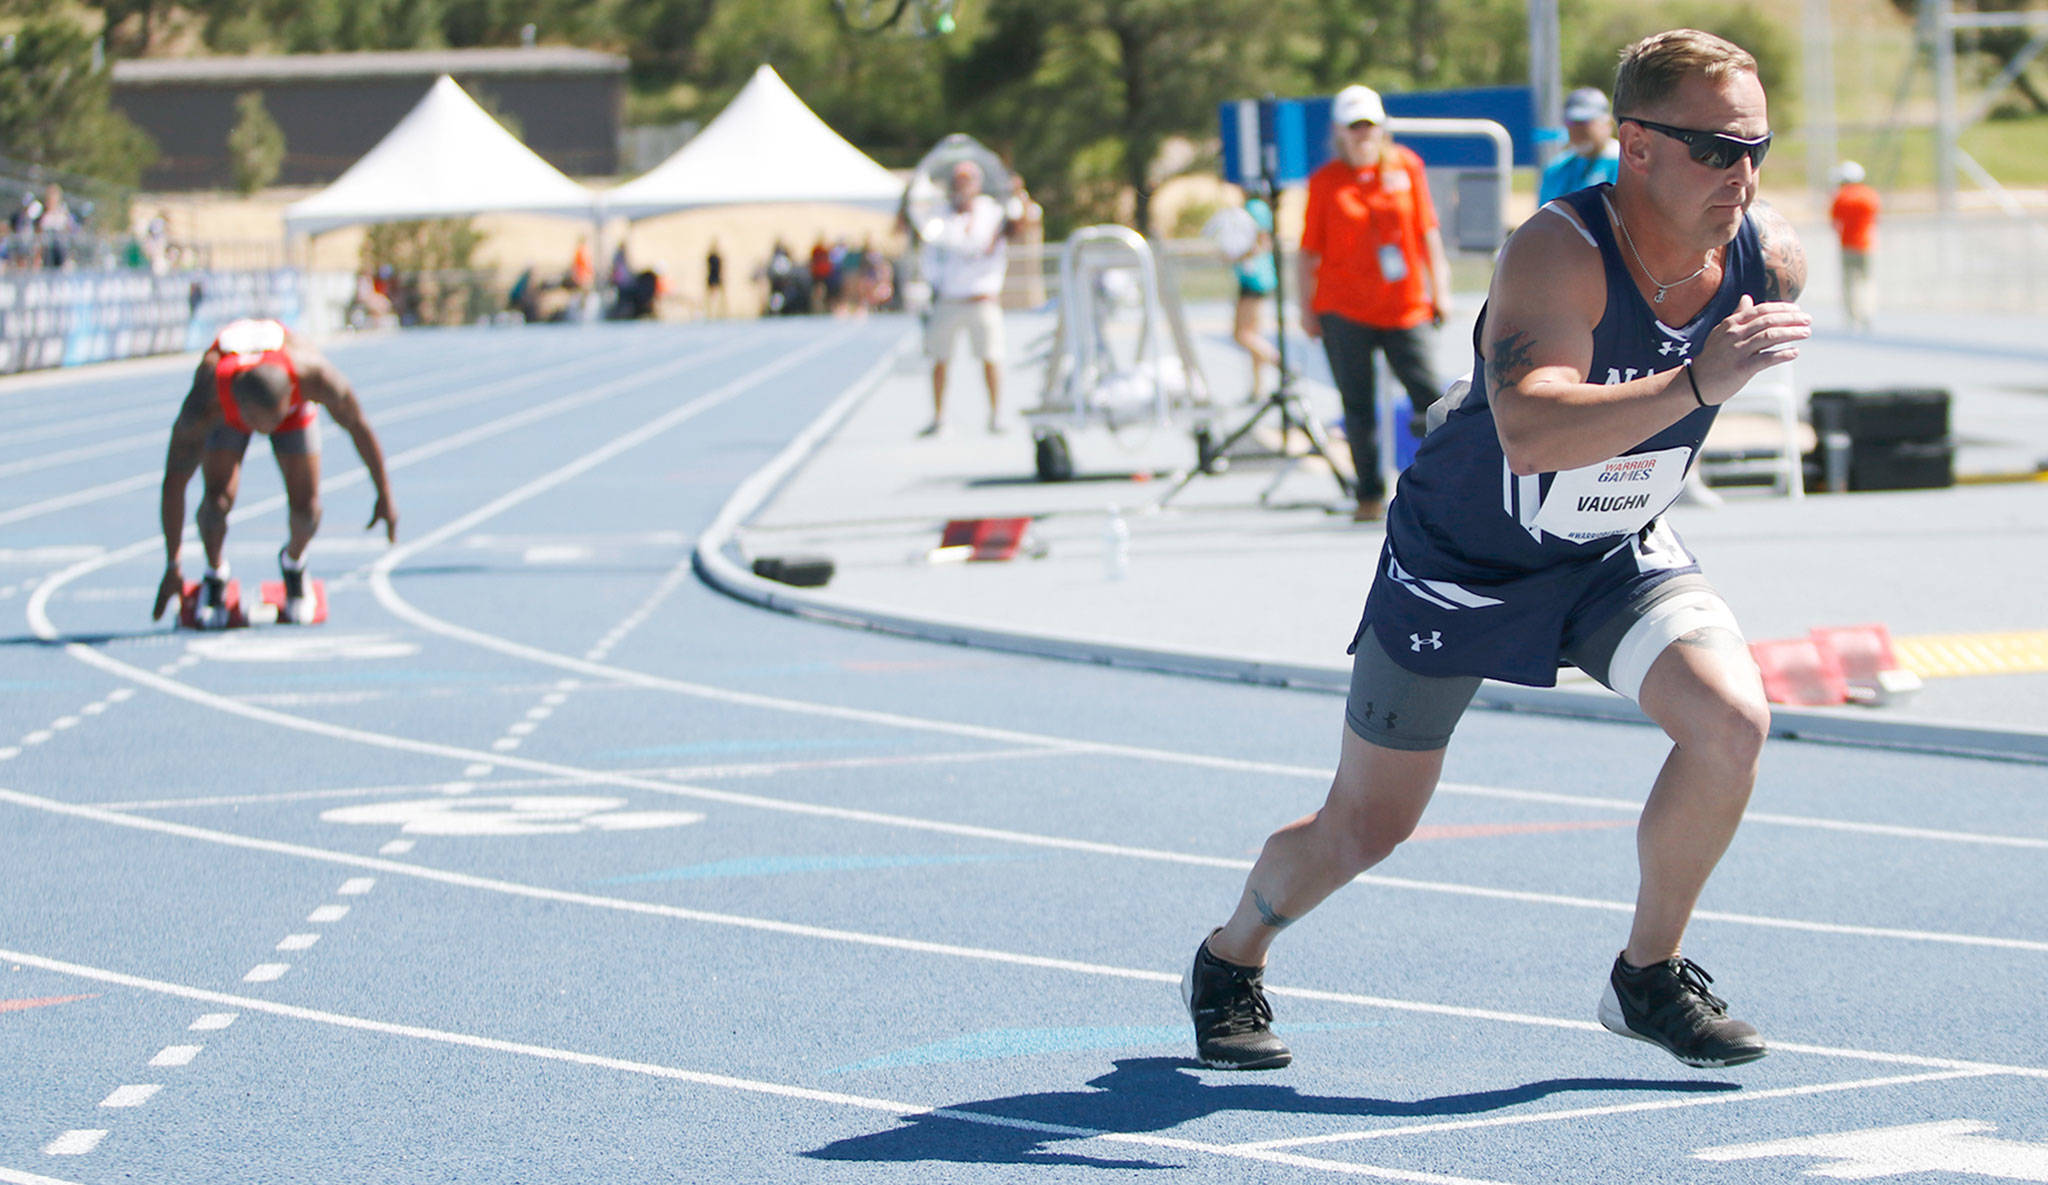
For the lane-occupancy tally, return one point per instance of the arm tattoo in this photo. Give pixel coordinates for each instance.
(1269, 915)
(1784, 258)
(1510, 362)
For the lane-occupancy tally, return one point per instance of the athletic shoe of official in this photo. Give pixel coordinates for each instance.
(213, 601)
(298, 607)
(1233, 1022)
(1668, 1005)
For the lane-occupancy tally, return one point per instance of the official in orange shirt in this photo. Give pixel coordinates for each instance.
(1854, 214)
(1374, 276)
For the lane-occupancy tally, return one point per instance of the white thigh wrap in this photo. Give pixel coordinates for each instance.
(1665, 623)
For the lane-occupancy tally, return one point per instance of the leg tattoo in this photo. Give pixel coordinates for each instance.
(1269, 915)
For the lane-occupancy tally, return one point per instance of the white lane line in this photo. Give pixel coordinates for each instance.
(17, 1177)
(403, 744)
(505, 744)
(131, 1096)
(727, 1082)
(750, 769)
(297, 941)
(75, 1143)
(356, 886)
(176, 1055)
(397, 847)
(941, 949)
(9, 752)
(478, 770)
(63, 722)
(37, 737)
(266, 972)
(327, 913)
(517, 419)
(212, 1022)
(1560, 1116)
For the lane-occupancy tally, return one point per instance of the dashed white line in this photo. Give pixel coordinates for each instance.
(75, 1143)
(505, 744)
(266, 972)
(212, 1021)
(37, 737)
(327, 913)
(297, 941)
(478, 770)
(9, 753)
(522, 728)
(120, 695)
(63, 722)
(175, 1055)
(397, 847)
(130, 1096)
(539, 713)
(93, 709)
(356, 886)
(729, 1083)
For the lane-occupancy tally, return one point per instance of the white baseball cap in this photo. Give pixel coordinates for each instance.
(1356, 104)
(1585, 104)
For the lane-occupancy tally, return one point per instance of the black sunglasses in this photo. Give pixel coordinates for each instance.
(1716, 150)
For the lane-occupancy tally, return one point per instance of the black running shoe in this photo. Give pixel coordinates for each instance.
(297, 609)
(294, 578)
(213, 602)
(1233, 1022)
(1668, 1005)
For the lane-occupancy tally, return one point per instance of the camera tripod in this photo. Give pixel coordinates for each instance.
(1292, 409)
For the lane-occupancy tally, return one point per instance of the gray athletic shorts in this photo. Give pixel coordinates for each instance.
(299, 442)
(1395, 708)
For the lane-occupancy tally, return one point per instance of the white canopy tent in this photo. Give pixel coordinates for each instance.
(446, 159)
(766, 147)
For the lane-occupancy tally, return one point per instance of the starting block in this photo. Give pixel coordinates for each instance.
(1798, 671)
(1869, 666)
(188, 607)
(267, 611)
(982, 539)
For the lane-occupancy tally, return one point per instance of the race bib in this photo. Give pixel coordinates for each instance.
(251, 337)
(1615, 497)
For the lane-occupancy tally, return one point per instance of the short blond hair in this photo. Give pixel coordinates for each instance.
(1652, 68)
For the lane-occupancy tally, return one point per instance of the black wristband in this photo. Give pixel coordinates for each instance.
(1695, 383)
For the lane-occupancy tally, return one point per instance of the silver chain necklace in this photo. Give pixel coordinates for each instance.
(1662, 287)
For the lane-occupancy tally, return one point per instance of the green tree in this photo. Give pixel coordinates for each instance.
(255, 144)
(54, 108)
(438, 257)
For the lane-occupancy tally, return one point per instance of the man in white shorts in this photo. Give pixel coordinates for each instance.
(966, 252)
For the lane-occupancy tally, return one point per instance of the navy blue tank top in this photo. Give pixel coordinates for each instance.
(1472, 547)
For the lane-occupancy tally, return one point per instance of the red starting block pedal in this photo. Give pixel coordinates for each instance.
(1799, 671)
(1869, 666)
(188, 607)
(988, 538)
(273, 596)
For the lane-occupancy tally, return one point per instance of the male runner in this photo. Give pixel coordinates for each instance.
(1526, 533)
(257, 376)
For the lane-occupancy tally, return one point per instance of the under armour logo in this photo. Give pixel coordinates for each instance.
(1435, 641)
(1671, 347)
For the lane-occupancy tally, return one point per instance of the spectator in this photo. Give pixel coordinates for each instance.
(714, 282)
(1854, 213)
(1373, 277)
(54, 225)
(581, 273)
(966, 256)
(1594, 155)
(1257, 277)
(821, 276)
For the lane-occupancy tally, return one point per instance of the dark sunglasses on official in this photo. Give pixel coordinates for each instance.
(1716, 150)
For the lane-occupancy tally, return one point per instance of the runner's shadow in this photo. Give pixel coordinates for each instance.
(1159, 1094)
